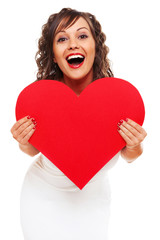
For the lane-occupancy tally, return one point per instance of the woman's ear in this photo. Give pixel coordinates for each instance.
(54, 60)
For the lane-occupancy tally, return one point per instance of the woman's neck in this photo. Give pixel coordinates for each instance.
(78, 85)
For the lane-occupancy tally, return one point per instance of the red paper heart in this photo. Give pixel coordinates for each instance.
(79, 134)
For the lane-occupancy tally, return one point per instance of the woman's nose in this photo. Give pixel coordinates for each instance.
(73, 44)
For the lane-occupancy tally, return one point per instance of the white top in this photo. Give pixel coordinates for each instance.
(59, 180)
(53, 207)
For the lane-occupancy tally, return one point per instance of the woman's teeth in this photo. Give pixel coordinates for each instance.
(75, 56)
(75, 60)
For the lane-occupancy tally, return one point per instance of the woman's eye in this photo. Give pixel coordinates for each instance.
(62, 39)
(83, 36)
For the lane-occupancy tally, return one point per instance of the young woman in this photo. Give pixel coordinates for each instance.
(71, 50)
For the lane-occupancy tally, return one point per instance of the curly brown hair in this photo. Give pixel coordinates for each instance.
(47, 68)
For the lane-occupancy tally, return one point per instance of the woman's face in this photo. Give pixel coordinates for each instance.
(74, 50)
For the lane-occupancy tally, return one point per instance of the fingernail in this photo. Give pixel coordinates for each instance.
(33, 119)
(120, 122)
(28, 117)
(35, 123)
(118, 128)
(34, 127)
(126, 119)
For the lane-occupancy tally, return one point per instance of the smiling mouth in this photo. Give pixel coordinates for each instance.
(75, 60)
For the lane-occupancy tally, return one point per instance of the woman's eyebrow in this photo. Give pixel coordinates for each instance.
(59, 32)
(82, 28)
(77, 30)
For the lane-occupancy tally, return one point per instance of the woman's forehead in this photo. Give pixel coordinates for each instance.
(69, 21)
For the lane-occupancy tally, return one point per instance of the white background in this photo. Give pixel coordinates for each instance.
(132, 29)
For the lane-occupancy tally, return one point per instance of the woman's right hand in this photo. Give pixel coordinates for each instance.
(21, 131)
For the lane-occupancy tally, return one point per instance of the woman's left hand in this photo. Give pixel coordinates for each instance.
(133, 134)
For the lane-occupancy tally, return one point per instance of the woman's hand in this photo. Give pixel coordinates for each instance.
(22, 130)
(133, 134)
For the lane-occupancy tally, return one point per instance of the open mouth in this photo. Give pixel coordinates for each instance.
(75, 60)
